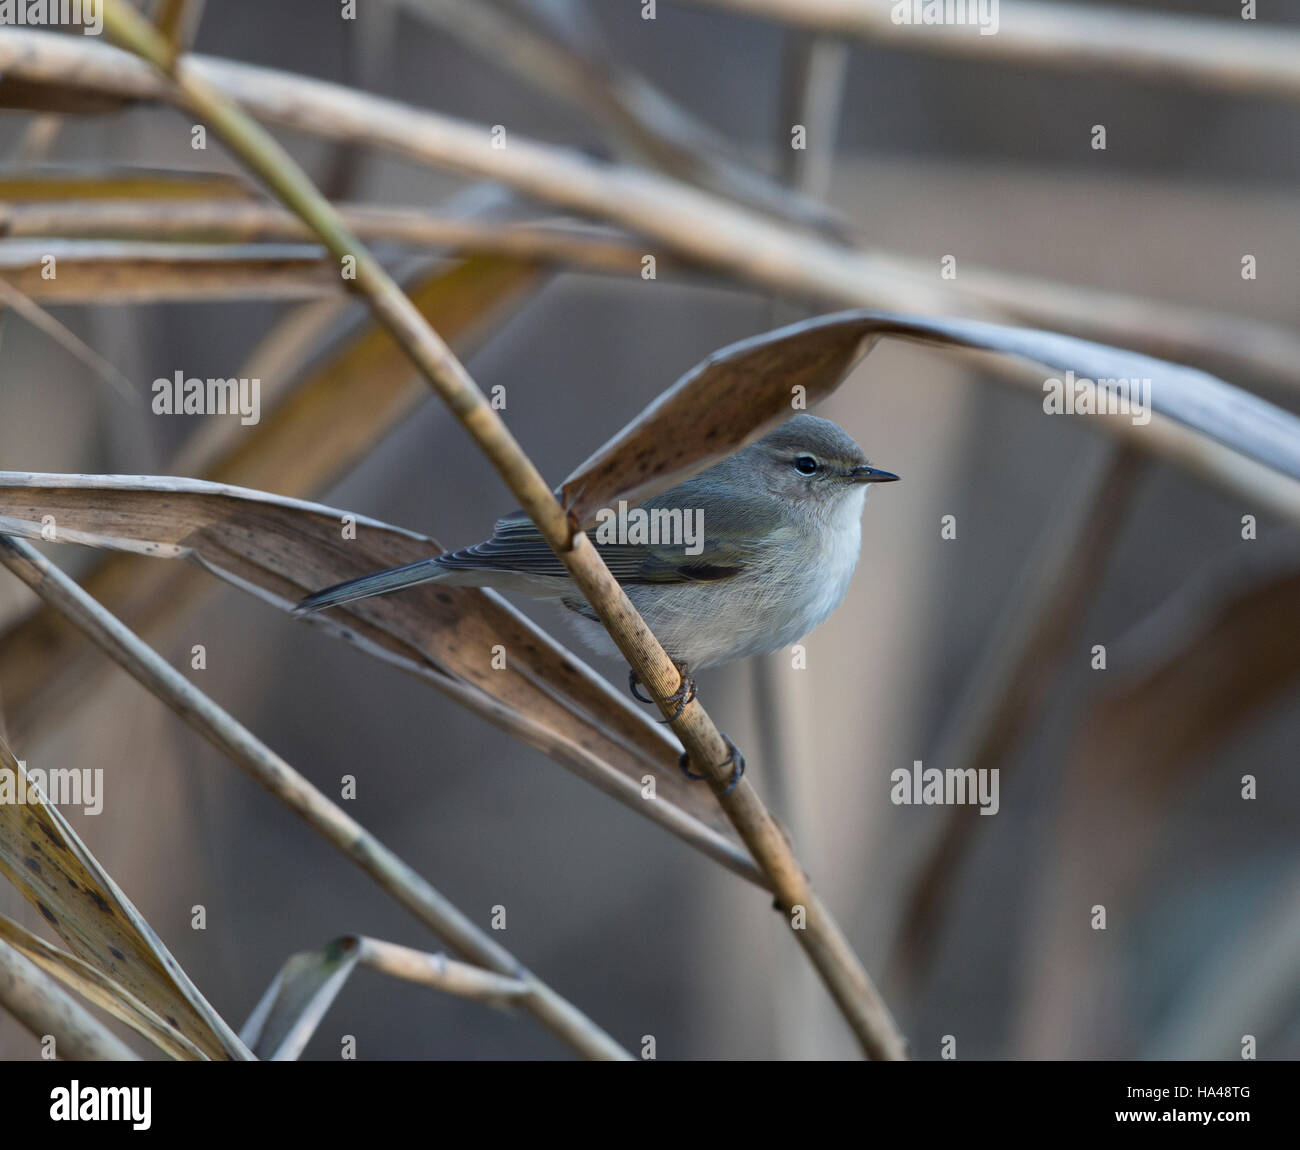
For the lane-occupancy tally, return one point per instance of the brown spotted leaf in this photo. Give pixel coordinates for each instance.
(97, 987)
(43, 857)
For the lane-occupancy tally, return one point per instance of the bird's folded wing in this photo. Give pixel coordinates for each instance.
(516, 545)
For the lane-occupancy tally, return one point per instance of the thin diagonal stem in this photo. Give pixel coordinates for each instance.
(813, 925)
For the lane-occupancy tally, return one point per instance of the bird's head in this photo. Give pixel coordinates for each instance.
(812, 462)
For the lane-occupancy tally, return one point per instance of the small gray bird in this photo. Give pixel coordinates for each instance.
(743, 559)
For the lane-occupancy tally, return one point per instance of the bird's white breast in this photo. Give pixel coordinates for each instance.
(802, 578)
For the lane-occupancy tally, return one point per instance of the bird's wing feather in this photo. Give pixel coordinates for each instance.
(731, 538)
(736, 526)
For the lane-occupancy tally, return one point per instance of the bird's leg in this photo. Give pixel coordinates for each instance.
(680, 698)
(735, 758)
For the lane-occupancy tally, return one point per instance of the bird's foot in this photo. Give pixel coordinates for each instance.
(735, 758)
(680, 699)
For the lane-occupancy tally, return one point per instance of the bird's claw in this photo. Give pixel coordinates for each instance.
(680, 698)
(734, 757)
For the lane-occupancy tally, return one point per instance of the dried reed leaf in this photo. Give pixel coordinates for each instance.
(37, 1001)
(118, 272)
(81, 183)
(279, 549)
(288, 1014)
(43, 857)
(97, 987)
(563, 242)
(739, 393)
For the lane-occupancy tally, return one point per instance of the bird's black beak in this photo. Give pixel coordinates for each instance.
(869, 474)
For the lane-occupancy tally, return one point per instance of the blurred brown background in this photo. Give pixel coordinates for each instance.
(991, 163)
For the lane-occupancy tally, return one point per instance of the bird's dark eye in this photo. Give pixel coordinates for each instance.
(805, 465)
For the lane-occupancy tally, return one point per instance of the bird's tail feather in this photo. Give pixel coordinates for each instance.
(378, 583)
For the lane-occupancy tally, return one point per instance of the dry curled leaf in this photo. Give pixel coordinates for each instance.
(744, 390)
(279, 549)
